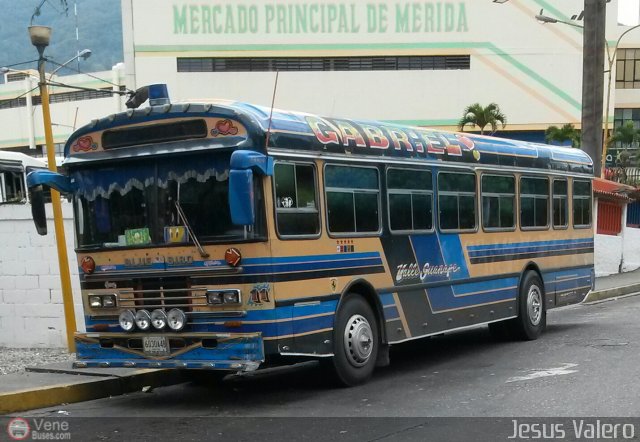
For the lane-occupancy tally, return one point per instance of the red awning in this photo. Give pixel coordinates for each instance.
(612, 189)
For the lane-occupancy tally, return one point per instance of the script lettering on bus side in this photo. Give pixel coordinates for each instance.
(408, 272)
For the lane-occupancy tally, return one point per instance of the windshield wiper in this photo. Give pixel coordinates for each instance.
(190, 231)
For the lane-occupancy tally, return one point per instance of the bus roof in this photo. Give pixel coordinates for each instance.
(23, 160)
(236, 124)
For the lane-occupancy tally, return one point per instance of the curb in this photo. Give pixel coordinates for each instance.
(96, 388)
(615, 292)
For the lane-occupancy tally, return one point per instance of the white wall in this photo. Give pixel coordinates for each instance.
(31, 311)
(631, 249)
(607, 254)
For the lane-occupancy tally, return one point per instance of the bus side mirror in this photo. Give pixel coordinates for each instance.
(243, 164)
(36, 181)
(241, 198)
(36, 195)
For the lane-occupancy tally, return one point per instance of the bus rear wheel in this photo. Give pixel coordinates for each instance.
(356, 341)
(532, 315)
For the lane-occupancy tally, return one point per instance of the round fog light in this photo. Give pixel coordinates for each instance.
(158, 319)
(143, 319)
(127, 320)
(176, 319)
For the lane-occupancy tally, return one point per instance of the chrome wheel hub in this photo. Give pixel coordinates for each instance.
(358, 340)
(534, 304)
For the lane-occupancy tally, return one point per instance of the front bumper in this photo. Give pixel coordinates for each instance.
(213, 351)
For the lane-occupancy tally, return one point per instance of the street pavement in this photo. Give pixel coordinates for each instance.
(586, 364)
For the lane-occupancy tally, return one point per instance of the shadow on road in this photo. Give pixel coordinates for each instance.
(308, 380)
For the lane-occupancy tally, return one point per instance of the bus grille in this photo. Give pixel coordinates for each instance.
(165, 294)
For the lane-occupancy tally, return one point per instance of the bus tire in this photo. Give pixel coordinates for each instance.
(356, 341)
(532, 315)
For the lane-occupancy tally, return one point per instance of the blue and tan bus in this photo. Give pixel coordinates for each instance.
(224, 236)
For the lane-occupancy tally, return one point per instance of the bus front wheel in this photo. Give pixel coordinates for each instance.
(356, 341)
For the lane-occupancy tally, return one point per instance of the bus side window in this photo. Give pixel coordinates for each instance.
(457, 201)
(12, 187)
(534, 203)
(352, 195)
(581, 204)
(560, 204)
(296, 199)
(410, 196)
(498, 202)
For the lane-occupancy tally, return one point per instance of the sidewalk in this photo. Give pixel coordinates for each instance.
(58, 383)
(614, 286)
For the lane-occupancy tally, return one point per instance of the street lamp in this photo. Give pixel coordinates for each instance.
(84, 54)
(611, 58)
(593, 48)
(40, 37)
(546, 19)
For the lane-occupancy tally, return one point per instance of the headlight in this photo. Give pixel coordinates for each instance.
(143, 319)
(158, 319)
(232, 297)
(109, 301)
(176, 319)
(95, 301)
(215, 298)
(127, 320)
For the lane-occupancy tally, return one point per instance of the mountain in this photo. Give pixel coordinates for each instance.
(99, 29)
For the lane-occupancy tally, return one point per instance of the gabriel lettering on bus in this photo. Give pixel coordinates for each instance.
(389, 137)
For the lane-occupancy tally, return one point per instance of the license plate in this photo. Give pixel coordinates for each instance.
(155, 345)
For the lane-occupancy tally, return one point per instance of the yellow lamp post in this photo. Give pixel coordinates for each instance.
(40, 37)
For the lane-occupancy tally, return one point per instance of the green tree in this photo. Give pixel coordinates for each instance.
(627, 135)
(478, 115)
(563, 134)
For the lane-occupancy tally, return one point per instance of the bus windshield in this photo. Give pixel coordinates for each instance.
(133, 203)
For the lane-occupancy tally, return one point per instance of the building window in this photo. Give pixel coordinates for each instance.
(628, 69)
(457, 201)
(560, 204)
(581, 204)
(633, 214)
(296, 200)
(366, 63)
(352, 195)
(498, 202)
(59, 97)
(410, 195)
(534, 203)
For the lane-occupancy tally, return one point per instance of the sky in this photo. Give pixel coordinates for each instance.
(628, 12)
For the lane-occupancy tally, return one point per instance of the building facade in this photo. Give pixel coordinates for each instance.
(413, 62)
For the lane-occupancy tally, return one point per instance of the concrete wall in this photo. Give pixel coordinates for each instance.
(607, 255)
(31, 312)
(631, 249)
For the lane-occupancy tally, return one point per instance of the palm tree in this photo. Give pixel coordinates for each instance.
(626, 135)
(480, 116)
(563, 134)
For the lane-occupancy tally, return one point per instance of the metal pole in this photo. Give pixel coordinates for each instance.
(63, 260)
(592, 84)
